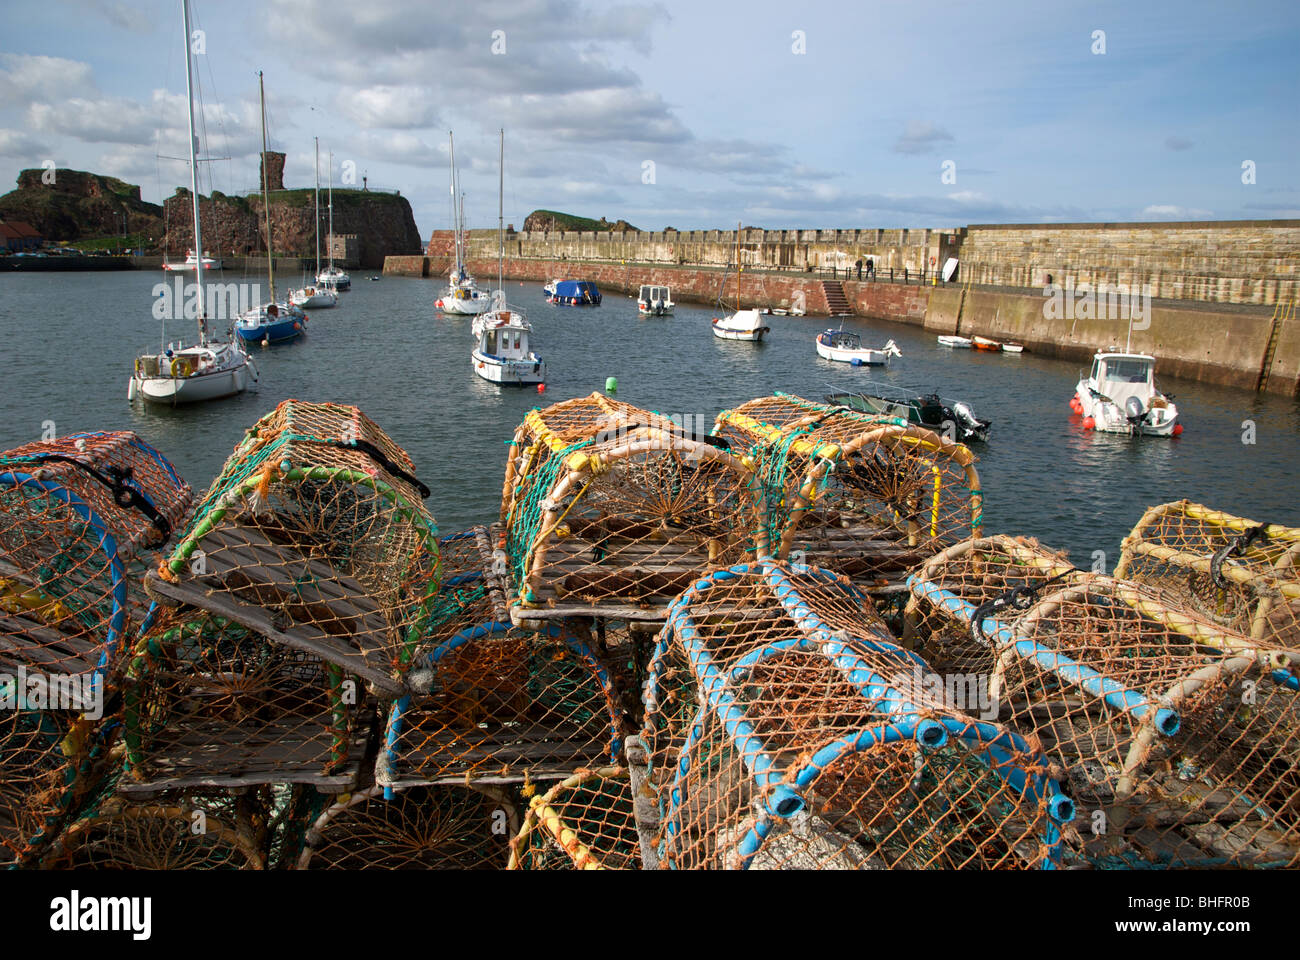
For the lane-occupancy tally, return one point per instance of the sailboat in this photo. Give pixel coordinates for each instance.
(210, 369)
(463, 295)
(502, 353)
(743, 324)
(318, 295)
(332, 277)
(270, 322)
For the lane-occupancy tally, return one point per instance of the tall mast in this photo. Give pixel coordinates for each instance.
(455, 218)
(501, 215)
(331, 192)
(738, 265)
(266, 202)
(317, 139)
(194, 171)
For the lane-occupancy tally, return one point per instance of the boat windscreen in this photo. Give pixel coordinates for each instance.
(1128, 370)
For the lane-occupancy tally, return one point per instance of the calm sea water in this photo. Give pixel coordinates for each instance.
(67, 342)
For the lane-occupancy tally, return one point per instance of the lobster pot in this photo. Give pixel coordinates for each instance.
(1178, 738)
(315, 536)
(786, 729)
(585, 822)
(444, 827)
(981, 571)
(77, 514)
(210, 702)
(861, 495)
(181, 834)
(501, 705)
(473, 586)
(1238, 573)
(611, 511)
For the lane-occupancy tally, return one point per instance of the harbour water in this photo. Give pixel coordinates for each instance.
(67, 342)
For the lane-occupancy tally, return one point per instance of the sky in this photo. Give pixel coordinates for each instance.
(689, 114)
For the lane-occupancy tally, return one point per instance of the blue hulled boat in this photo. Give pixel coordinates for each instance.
(272, 322)
(575, 293)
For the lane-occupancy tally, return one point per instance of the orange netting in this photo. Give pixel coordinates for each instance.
(787, 729)
(611, 509)
(863, 495)
(584, 822)
(1178, 737)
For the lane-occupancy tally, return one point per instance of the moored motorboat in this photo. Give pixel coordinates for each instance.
(951, 418)
(191, 263)
(1119, 395)
(845, 347)
(984, 343)
(655, 300)
(959, 343)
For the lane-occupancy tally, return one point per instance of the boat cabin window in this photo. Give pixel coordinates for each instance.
(1096, 370)
(1128, 370)
(490, 342)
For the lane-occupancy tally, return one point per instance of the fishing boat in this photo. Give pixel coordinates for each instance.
(984, 343)
(575, 293)
(742, 324)
(957, 343)
(1119, 395)
(332, 277)
(845, 347)
(502, 352)
(548, 288)
(462, 297)
(209, 369)
(654, 300)
(951, 418)
(273, 321)
(191, 264)
(320, 295)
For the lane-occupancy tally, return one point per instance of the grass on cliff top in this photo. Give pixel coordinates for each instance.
(305, 197)
(567, 221)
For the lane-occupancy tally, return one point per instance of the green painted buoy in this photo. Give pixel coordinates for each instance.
(611, 384)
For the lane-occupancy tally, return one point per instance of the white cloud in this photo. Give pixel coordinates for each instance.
(397, 107)
(24, 77)
(17, 144)
(1170, 211)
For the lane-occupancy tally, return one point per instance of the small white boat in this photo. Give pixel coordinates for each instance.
(336, 278)
(958, 343)
(191, 261)
(210, 369)
(549, 287)
(778, 312)
(846, 347)
(313, 297)
(1119, 395)
(502, 353)
(321, 295)
(1012, 348)
(656, 301)
(741, 325)
(984, 343)
(463, 296)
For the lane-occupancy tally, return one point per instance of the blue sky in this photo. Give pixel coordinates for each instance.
(853, 132)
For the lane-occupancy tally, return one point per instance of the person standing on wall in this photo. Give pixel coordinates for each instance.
(859, 266)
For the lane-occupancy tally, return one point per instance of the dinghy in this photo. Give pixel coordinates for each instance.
(984, 343)
(959, 343)
(951, 418)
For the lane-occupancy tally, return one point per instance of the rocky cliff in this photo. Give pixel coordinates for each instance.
(236, 226)
(79, 205)
(553, 220)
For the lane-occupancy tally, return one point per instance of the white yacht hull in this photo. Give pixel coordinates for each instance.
(465, 308)
(192, 389)
(315, 301)
(509, 372)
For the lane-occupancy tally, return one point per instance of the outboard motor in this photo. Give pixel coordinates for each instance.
(1133, 411)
